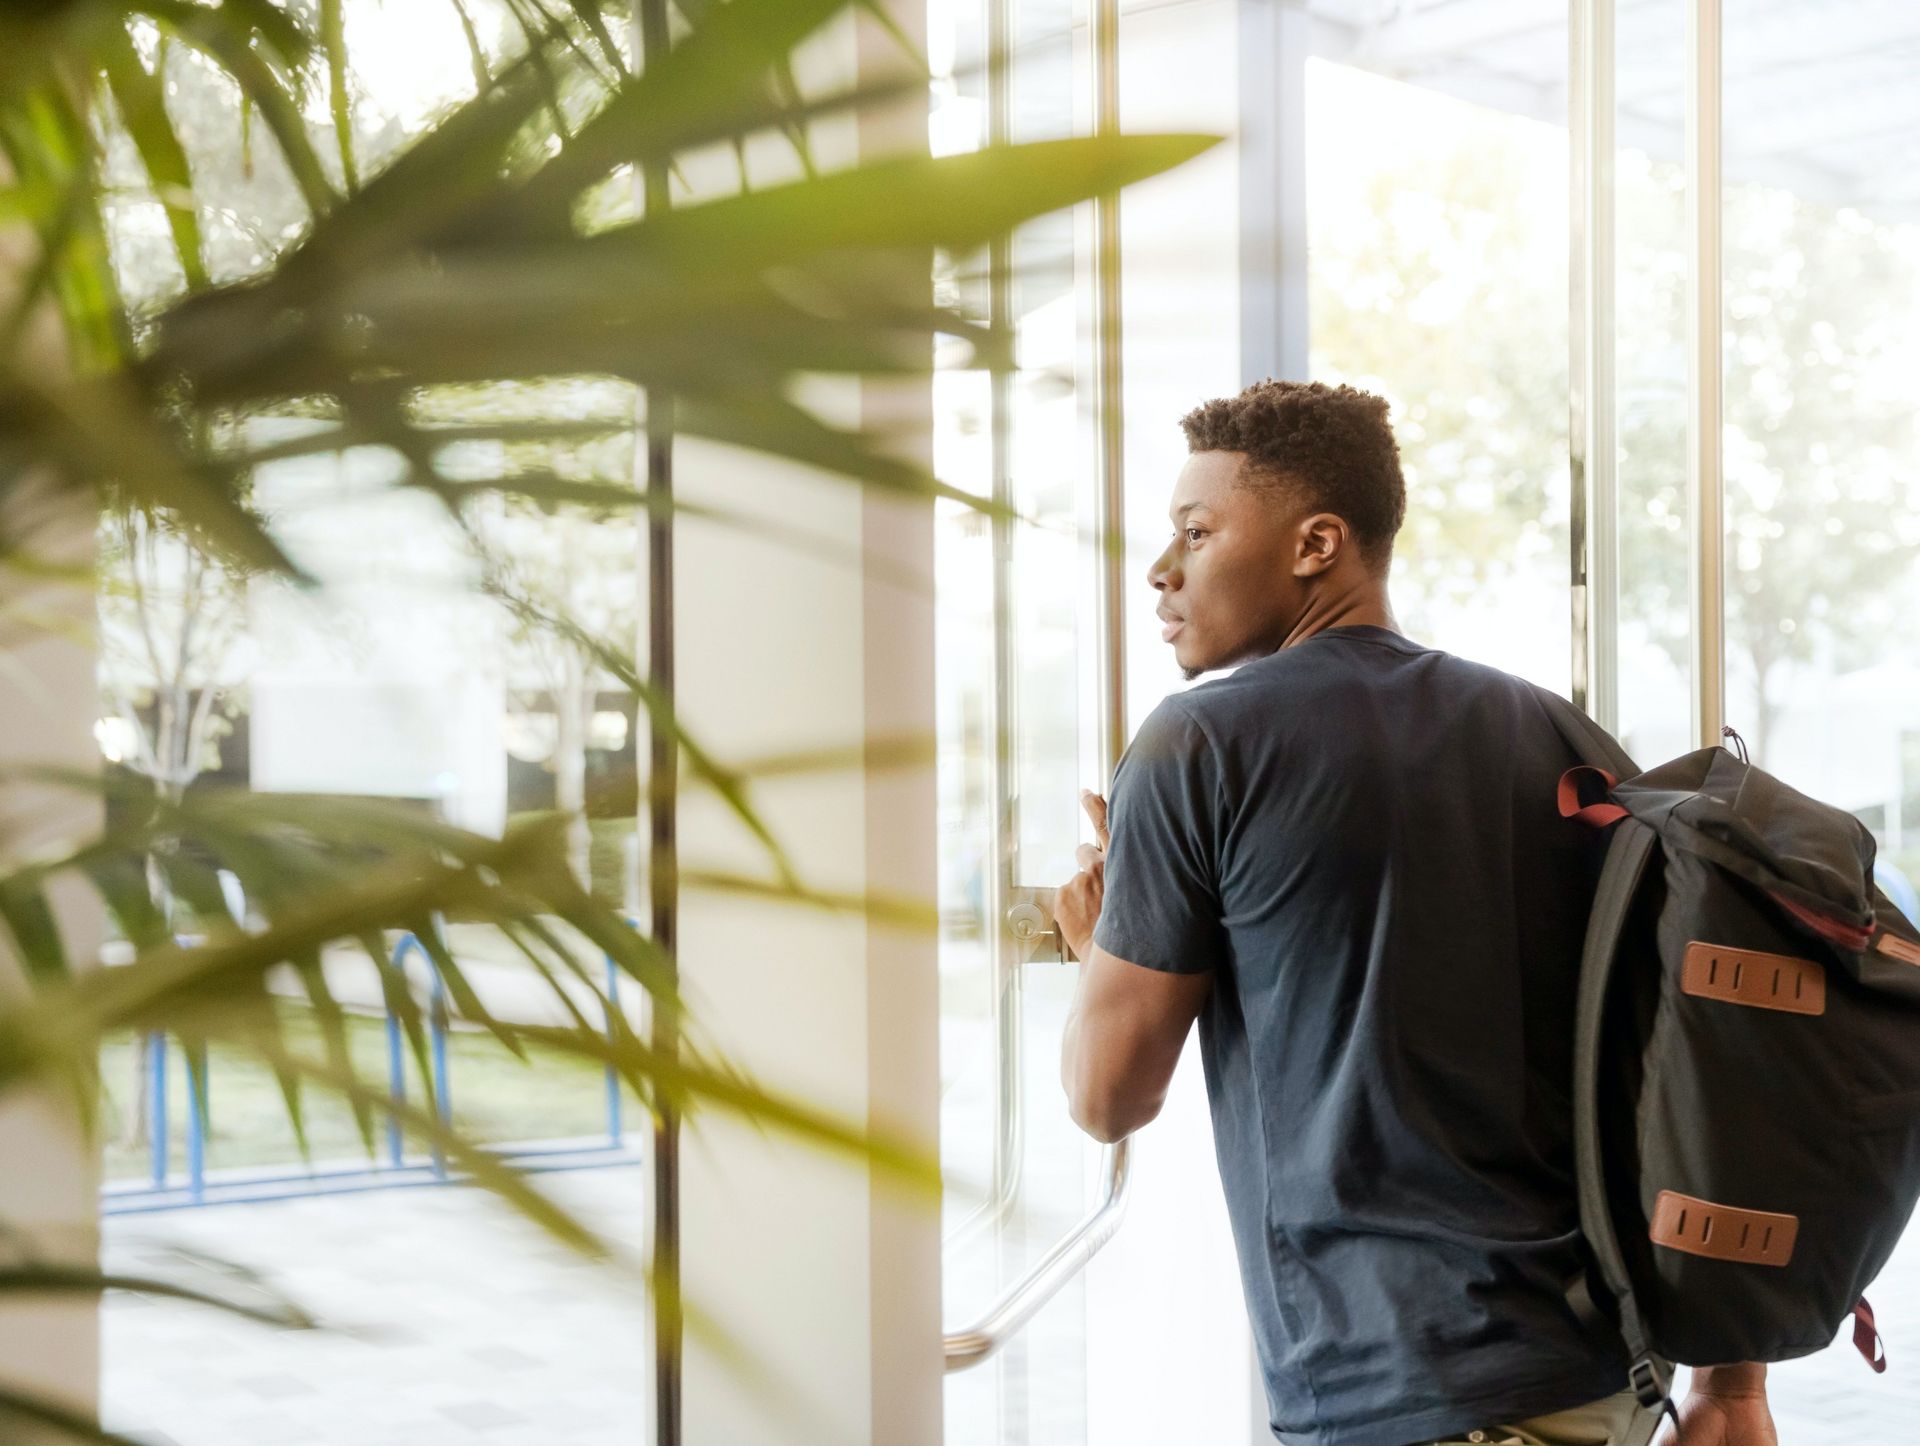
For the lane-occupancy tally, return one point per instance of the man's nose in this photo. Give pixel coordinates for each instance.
(1164, 573)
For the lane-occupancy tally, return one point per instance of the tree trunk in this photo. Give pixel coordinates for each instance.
(133, 1129)
(573, 710)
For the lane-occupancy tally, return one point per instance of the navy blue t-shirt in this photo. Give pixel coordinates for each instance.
(1360, 835)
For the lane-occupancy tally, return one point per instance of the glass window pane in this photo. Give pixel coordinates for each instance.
(1650, 381)
(1821, 237)
(1437, 247)
(1017, 825)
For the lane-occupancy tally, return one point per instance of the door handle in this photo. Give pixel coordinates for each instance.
(971, 1346)
(1036, 938)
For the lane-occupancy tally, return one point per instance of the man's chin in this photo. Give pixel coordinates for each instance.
(1184, 659)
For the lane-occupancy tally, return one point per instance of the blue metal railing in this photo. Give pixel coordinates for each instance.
(437, 1043)
(160, 1191)
(157, 1106)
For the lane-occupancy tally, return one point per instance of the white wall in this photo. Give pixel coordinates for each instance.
(391, 682)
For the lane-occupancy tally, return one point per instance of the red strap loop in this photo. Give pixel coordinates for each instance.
(1848, 936)
(1597, 815)
(1866, 1337)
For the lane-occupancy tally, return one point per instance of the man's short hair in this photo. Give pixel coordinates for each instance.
(1330, 447)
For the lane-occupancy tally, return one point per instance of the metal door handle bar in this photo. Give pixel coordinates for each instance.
(980, 1340)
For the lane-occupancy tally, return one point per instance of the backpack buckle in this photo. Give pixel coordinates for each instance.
(1649, 1383)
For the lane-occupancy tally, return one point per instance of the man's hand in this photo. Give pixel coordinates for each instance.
(1076, 903)
(1725, 1406)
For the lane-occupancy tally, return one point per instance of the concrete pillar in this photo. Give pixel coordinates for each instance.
(49, 1188)
(822, 1273)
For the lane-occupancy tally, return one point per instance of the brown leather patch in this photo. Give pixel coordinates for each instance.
(1753, 978)
(1903, 950)
(1722, 1232)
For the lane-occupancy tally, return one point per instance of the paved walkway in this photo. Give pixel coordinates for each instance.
(465, 1325)
(469, 1326)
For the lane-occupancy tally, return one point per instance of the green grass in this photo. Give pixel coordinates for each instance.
(606, 842)
(496, 1097)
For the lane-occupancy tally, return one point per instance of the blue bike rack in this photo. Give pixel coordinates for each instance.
(157, 1108)
(437, 1035)
(1898, 887)
(160, 1192)
(615, 1131)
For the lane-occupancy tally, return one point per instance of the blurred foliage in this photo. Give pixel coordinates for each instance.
(369, 280)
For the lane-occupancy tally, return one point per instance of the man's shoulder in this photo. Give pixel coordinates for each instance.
(1289, 674)
(1295, 697)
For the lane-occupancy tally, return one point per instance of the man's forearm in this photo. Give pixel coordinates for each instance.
(1074, 945)
(1070, 1034)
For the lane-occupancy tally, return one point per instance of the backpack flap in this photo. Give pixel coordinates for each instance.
(1813, 860)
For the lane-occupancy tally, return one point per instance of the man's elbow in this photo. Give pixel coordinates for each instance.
(1108, 1120)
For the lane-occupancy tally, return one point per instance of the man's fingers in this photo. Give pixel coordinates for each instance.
(1095, 807)
(1089, 857)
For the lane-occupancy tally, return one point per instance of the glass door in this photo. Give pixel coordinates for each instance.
(1020, 632)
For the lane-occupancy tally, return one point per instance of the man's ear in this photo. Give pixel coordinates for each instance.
(1323, 538)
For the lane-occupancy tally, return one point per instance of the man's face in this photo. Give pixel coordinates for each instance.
(1228, 593)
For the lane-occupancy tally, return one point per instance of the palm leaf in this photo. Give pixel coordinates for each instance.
(426, 273)
(718, 70)
(30, 1278)
(333, 42)
(141, 98)
(332, 1021)
(267, 90)
(956, 202)
(47, 146)
(476, 54)
(36, 936)
(279, 30)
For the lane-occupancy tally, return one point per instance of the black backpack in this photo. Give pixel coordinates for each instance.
(1747, 1061)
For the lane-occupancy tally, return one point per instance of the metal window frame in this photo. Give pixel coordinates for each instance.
(1592, 401)
(1593, 451)
(1274, 42)
(1705, 483)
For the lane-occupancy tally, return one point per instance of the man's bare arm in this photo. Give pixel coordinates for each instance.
(1127, 1023)
(1123, 1040)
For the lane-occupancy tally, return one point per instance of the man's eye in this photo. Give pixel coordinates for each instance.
(1194, 534)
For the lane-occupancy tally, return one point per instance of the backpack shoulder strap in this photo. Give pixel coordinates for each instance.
(1620, 878)
(1592, 743)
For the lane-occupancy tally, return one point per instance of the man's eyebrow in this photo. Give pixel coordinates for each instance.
(1185, 507)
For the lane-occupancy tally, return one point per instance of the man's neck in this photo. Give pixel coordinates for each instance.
(1369, 607)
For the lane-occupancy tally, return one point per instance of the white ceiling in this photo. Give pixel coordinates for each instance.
(1821, 96)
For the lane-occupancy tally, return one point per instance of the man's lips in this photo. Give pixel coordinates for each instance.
(1172, 624)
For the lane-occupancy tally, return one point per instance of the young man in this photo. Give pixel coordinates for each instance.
(1346, 861)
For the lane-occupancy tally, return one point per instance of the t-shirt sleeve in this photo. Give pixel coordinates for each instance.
(1161, 907)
